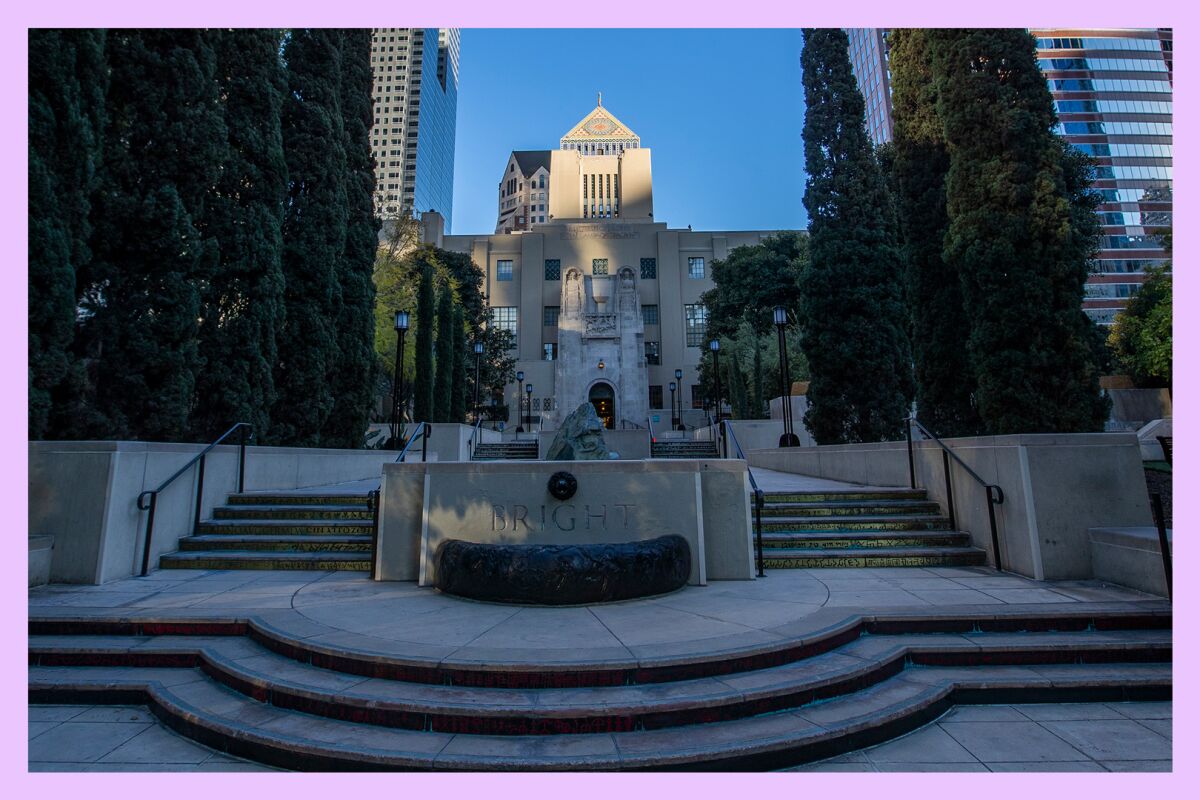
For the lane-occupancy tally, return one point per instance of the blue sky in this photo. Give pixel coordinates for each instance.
(706, 102)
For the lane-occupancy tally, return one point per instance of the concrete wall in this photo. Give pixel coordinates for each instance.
(1130, 557)
(706, 502)
(1139, 406)
(84, 494)
(1056, 487)
(630, 444)
(754, 434)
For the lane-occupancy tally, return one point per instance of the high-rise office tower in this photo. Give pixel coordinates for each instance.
(1112, 90)
(416, 102)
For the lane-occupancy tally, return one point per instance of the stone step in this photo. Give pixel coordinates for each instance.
(882, 495)
(195, 706)
(325, 560)
(297, 544)
(852, 508)
(857, 523)
(290, 527)
(256, 672)
(860, 539)
(914, 556)
(292, 511)
(296, 498)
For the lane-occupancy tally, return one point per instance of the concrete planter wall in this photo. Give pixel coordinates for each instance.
(1056, 487)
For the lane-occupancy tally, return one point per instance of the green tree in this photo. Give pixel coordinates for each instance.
(443, 380)
(853, 317)
(1017, 238)
(67, 83)
(352, 375)
(458, 375)
(423, 409)
(242, 301)
(314, 236)
(497, 369)
(1141, 335)
(757, 402)
(938, 320)
(753, 279)
(164, 142)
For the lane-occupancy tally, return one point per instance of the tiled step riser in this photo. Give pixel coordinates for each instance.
(189, 545)
(297, 499)
(361, 710)
(816, 540)
(279, 751)
(854, 511)
(328, 565)
(842, 497)
(967, 559)
(851, 524)
(251, 529)
(285, 513)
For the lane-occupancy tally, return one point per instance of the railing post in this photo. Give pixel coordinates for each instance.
(242, 460)
(949, 489)
(992, 501)
(149, 529)
(1164, 547)
(758, 506)
(199, 497)
(912, 472)
(724, 440)
(425, 442)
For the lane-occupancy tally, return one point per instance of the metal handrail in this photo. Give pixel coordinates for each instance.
(995, 495)
(422, 433)
(628, 423)
(473, 441)
(758, 496)
(247, 430)
(650, 427)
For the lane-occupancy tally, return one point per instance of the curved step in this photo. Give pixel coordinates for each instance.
(268, 677)
(220, 718)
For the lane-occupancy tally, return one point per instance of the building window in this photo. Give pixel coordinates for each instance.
(504, 270)
(652, 353)
(553, 269)
(649, 269)
(697, 396)
(599, 266)
(505, 318)
(649, 315)
(656, 397)
(550, 316)
(549, 352)
(695, 267)
(695, 324)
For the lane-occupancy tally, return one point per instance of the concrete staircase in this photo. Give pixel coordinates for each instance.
(888, 528)
(259, 530)
(683, 448)
(506, 451)
(279, 697)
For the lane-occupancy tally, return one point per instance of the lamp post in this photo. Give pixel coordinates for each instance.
(401, 323)
(788, 438)
(714, 345)
(529, 405)
(520, 380)
(478, 352)
(672, 387)
(678, 416)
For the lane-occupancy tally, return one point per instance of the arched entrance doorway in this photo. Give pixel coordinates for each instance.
(604, 399)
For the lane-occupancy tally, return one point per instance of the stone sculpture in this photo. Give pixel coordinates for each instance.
(580, 437)
(570, 574)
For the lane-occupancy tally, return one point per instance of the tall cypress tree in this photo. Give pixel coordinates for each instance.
(1014, 235)
(444, 374)
(757, 402)
(423, 348)
(67, 82)
(163, 146)
(458, 377)
(939, 325)
(853, 317)
(242, 302)
(314, 236)
(353, 373)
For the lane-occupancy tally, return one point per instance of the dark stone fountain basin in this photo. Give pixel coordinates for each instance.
(562, 574)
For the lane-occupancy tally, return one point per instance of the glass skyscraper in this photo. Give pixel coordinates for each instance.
(1112, 90)
(416, 103)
